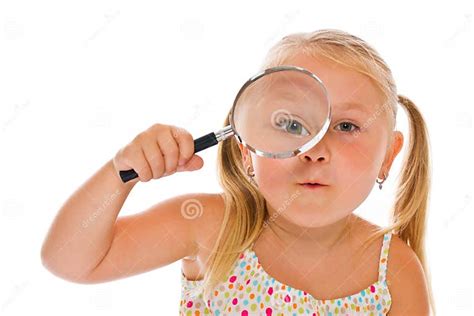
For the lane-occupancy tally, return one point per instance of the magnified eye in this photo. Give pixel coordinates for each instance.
(291, 125)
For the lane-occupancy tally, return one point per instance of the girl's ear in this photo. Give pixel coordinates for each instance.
(392, 152)
(244, 151)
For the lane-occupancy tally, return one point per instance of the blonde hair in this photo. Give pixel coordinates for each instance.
(245, 208)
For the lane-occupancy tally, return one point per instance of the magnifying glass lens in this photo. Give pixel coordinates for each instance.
(281, 111)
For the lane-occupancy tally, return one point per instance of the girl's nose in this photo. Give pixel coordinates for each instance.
(318, 152)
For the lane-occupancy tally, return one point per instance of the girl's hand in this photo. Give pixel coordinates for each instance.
(159, 151)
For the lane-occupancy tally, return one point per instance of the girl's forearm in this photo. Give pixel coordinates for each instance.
(83, 229)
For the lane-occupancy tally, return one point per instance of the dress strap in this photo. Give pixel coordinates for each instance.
(384, 256)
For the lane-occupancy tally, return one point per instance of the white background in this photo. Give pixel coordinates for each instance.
(80, 79)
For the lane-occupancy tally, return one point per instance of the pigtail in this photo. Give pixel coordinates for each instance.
(412, 196)
(414, 186)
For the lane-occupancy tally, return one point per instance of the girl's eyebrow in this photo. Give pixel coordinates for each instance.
(349, 105)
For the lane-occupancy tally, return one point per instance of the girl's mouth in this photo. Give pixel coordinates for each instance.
(312, 185)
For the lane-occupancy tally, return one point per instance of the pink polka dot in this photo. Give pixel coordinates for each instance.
(268, 311)
(287, 298)
(372, 289)
(190, 304)
(270, 290)
(233, 278)
(235, 301)
(244, 313)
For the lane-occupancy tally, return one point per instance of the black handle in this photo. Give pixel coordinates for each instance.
(201, 143)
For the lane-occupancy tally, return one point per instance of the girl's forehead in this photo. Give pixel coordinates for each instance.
(321, 66)
(343, 84)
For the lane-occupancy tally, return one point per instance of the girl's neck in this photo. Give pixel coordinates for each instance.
(310, 241)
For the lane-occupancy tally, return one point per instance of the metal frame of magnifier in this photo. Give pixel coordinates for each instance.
(214, 138)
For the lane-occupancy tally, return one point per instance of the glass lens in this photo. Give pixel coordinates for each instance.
(281, 111)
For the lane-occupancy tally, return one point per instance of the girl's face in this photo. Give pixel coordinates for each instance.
(348, 159)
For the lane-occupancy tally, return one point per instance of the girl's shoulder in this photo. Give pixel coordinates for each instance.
(208, 216)
(398, 249)
(206, 211)
(211, 215)
(405, 277)
(406, 280)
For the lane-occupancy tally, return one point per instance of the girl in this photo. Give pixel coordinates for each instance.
(270, 243)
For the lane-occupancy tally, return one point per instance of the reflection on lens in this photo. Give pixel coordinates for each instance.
(282, 119)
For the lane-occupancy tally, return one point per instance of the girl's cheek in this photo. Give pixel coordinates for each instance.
(361, 159)
(354, 151)
(271, 172)
(355, 161)
(350, 162)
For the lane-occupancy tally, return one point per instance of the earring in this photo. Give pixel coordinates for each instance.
(250, 175)
(381, 182)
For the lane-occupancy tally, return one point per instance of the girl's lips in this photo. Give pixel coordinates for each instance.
(312, 186)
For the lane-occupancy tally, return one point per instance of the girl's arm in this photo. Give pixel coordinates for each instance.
(83, 229)
(86, 228)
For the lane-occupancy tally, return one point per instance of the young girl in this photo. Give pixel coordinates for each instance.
(270, 243)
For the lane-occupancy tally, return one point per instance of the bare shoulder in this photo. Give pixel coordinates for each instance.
(405, 276)
(406, 280)
(206, 213)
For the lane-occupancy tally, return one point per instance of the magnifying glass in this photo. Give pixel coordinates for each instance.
(278, 113)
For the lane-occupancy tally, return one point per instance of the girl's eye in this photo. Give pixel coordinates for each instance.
(348, 124)
(292, 126)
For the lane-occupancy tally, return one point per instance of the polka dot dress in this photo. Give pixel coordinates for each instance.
(249, 290)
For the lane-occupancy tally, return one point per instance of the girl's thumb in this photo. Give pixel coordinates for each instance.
(195, 163)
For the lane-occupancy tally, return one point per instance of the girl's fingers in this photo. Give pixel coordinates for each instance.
(170, 150)
(157, 151)
(195, 163)
(154, 157)
(185, 143)
(143, 170)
